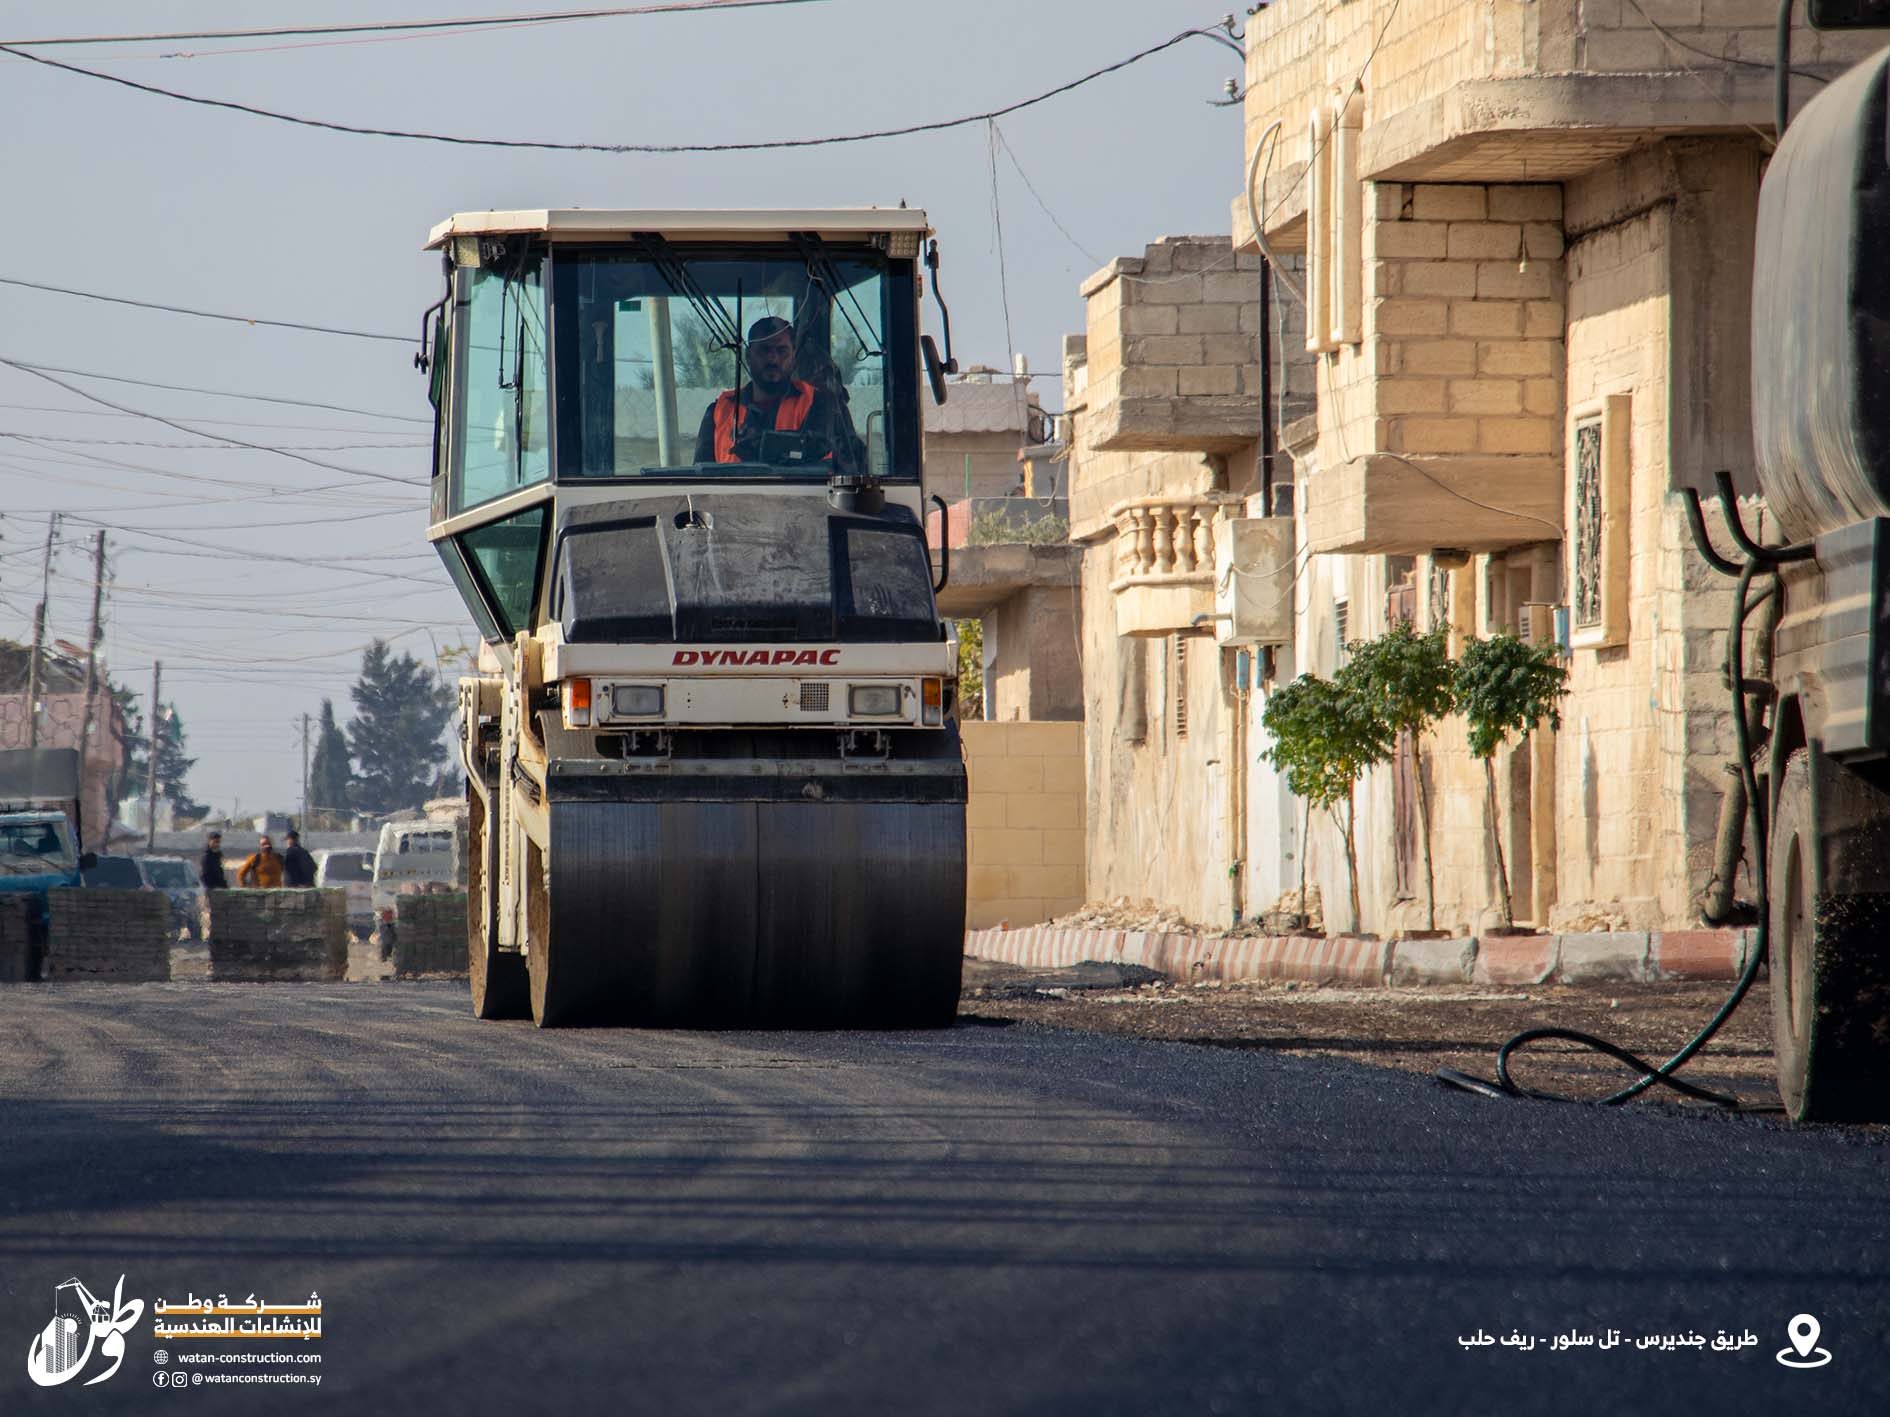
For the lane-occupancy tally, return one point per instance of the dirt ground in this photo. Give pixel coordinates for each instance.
(1416, 1030)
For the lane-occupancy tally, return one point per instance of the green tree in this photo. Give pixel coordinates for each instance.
(130, 742)
(970, 669)
(173, 763)
(1505, 685)
(1325, 733)
(1408, 676)
(330, 773)
(400, 712)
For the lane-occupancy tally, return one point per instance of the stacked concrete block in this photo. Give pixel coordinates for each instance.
(430, 934)
(258, 935)
(18, 963)
(112, 936)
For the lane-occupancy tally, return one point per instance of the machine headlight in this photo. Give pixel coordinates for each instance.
(864, 700)
(636, 700)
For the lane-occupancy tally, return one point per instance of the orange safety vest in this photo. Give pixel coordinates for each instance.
(789, 415)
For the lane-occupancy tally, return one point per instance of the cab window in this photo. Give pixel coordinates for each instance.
(501, 437)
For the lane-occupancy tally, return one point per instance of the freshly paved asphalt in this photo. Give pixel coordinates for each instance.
(985, 1219)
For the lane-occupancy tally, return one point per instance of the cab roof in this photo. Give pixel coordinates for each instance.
(582, 224)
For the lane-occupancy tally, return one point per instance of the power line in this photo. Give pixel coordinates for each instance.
(212, 447)
(1031, 187)
(759, 145)
(215, 393)
(456, 22)
(205, 314)
(202, 433)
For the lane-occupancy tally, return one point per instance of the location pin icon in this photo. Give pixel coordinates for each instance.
(1803, 1332)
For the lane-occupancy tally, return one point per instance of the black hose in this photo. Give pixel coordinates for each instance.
(1662, 1076)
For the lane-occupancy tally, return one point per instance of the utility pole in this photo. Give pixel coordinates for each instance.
(39, 637)
(151, 737)
(91, 669)
(304, 772)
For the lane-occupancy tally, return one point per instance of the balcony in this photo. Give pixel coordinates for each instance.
(1384, 504)
(1164, 572)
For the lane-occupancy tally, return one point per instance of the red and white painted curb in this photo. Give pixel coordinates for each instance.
(1508, 961)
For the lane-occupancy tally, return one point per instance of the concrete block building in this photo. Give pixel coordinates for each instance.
(1523, 234)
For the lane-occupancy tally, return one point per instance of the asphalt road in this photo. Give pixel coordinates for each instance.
(987, 1219)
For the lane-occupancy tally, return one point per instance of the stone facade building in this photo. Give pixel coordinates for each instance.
(1523, 234)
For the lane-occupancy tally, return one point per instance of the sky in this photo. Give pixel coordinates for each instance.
(258, 577)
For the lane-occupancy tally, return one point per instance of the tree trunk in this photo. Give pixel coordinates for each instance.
(1496, 839)
(1351, 863)
(1305, 831)
(1424, 821)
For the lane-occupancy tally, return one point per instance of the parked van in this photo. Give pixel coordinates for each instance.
(352, 872)
(416, 855)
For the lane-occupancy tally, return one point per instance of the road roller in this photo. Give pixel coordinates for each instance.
(713, 766)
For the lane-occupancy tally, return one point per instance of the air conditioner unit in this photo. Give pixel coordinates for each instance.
(1536, 624)
(1253, 581)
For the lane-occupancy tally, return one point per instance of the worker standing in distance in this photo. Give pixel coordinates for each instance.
(210, 870)
(298, 867)
(774, 401)
(263, 869)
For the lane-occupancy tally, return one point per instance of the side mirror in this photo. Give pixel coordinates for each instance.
(1848, 14)
(934, 368)
(88, 860)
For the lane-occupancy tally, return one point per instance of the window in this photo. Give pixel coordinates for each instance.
(506, 556)
(1599, 468)
(1341, 631)
(650, 340)
(35, 848)
(1335, 215)
(500, 429)
(340, 866)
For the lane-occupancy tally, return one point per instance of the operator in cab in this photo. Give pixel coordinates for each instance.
(818, 432)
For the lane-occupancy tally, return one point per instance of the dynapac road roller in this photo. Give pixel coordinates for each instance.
(712, 754)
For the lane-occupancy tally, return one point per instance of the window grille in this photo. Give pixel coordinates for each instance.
(1588, 523)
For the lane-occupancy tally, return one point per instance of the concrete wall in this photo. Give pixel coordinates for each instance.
(1033, 669)
(110, 936)
(960, 465)
(1026, 820)
(278, 935)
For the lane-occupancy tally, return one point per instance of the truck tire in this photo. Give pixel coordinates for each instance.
(500, 988)
(1829, 921)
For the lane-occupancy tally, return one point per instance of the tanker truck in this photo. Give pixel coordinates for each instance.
(1821, 437)
(713, 767)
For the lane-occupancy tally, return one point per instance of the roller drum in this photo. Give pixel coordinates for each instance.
(773, 900)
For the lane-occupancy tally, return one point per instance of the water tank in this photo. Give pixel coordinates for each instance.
(1821, 312)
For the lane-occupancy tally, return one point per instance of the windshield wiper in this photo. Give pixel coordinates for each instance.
(826, 276)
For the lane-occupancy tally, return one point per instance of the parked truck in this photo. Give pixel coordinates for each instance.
(41, 833)
(1821, 437)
